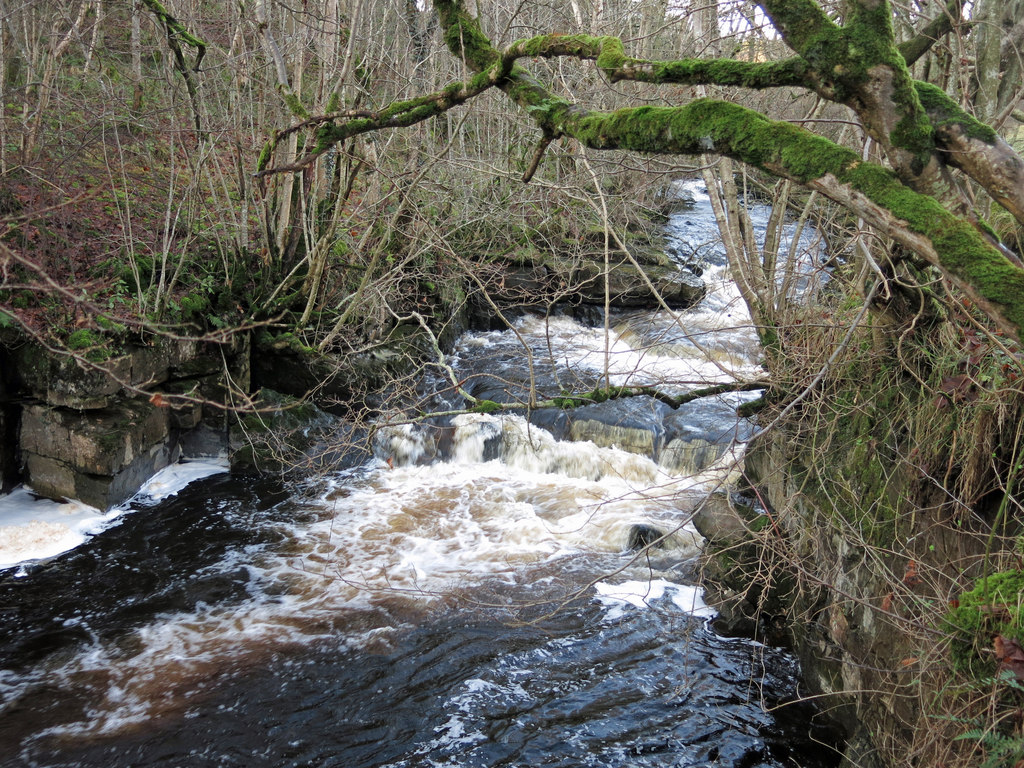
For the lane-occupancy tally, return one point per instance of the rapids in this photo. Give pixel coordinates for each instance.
(468, 598)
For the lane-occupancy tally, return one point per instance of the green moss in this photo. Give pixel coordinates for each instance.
(994, 606)
(485, 406)
(463, 36)
(744, 74)
(752, 408)
(612, 55)
(802, 20)
(84, 338)
(707, 125)
(110, 325)
(295, 105)
(943, 111)
(265, 153)
(962, 250)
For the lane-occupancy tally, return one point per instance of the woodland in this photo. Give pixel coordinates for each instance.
(317, 175)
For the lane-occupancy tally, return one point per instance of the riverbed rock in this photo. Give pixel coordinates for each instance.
(545, 281)
(631, 424)
(278, 433)
(736, 585)
(643, 536)
(698, 433)
(855, 652)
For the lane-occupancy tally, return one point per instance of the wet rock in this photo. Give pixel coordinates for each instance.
(283, 364)
(727, 520)
(627, 286)
(748, 597)
(681, 456)
(642, 536)
(698, 433)
(633, 424)
(99, 457)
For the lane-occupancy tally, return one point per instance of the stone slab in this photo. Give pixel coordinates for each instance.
(100, 442)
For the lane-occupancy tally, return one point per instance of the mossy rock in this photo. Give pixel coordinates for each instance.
(93, 345)
(278, 433)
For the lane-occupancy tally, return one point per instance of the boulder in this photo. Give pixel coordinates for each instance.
(632, 424)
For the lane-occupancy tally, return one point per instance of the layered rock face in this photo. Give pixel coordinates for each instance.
(94, 430)
(844, 589)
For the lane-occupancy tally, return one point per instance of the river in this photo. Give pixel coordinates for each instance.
(468, 598)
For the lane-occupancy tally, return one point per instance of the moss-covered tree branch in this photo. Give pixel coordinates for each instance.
(604, 394)
(917, 118)
(913, 49)
(976, 149)
(178, 33)
(335, 128)
(886, 200)
(609, 54)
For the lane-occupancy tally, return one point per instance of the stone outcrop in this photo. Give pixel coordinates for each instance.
(538, 282)
(96, 429)
(100, 456)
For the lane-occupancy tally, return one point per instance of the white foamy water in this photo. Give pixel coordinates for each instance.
(662, 355)
(645, 594)
(35, 528)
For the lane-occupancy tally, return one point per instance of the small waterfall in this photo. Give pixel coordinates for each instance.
(404, 444)
(477, 438)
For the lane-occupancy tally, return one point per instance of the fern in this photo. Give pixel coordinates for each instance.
(1001, 750)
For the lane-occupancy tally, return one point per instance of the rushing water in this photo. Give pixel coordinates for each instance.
(467, 599)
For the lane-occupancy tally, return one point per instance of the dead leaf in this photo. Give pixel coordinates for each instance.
(910, 577)
(1010, 655)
